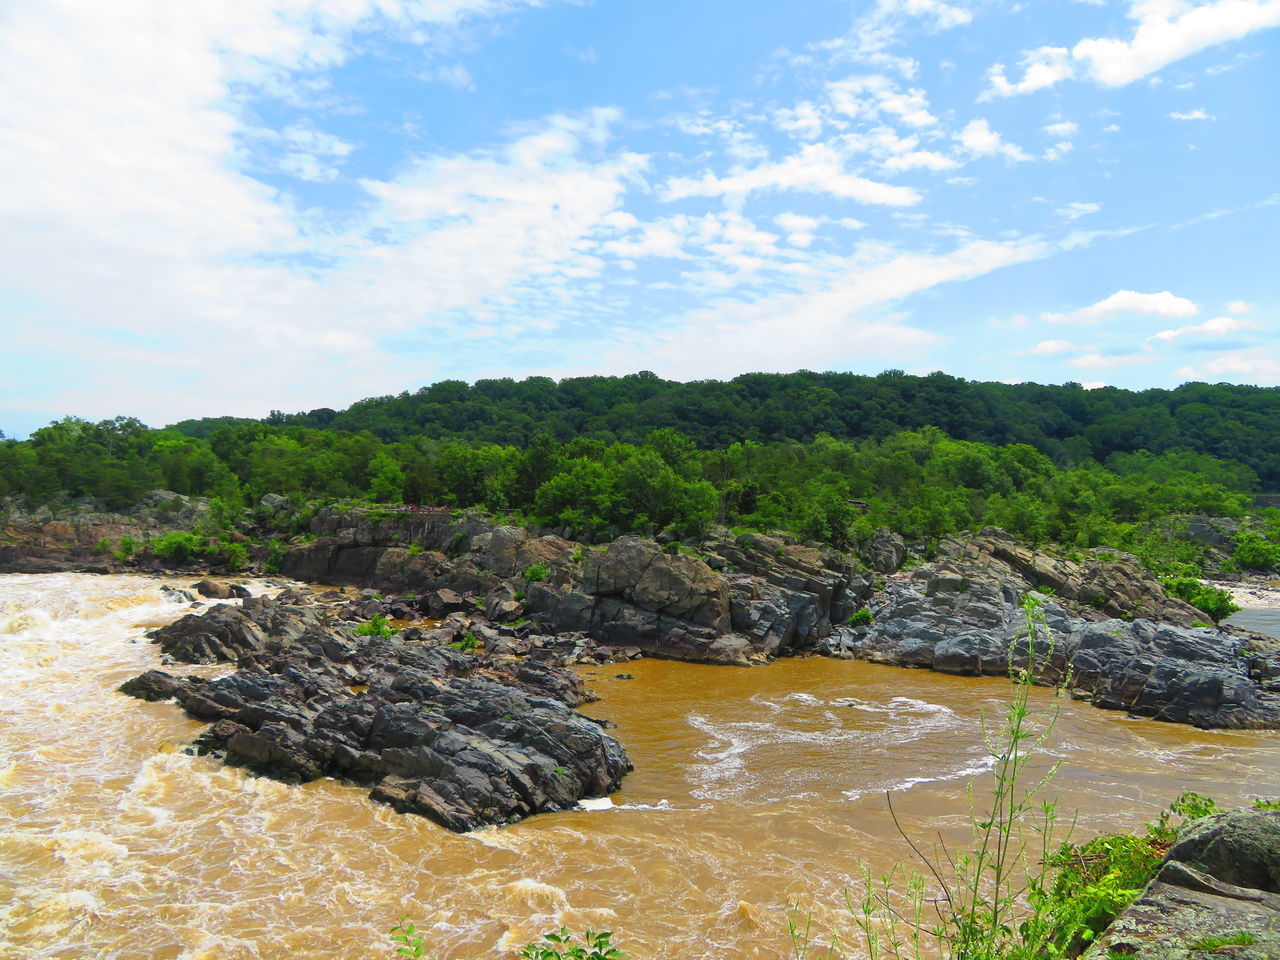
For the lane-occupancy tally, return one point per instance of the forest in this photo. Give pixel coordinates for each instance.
(939, 456)
(1067, 423)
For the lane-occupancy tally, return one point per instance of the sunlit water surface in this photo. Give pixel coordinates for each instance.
(753, 789)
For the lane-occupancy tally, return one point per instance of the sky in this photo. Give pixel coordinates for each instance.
(234, 206)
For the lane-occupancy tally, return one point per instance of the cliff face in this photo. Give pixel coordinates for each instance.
(1110, 627)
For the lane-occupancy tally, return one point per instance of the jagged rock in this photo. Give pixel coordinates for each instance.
(225, 632)
(275, 504)
(460, 738)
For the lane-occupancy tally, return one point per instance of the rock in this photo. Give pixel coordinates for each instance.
(885, 551)
(679, 587)
(1219, 882)
(1241, 848)
(442, 602)
(275, 504)
(154, 685)
(213, 589)
(225, 632)
(1178, 674)
(460, 738)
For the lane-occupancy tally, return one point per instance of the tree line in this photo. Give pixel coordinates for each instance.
(921, 482)
(1070, 425)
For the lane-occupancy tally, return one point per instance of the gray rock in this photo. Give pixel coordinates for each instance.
(463, 739)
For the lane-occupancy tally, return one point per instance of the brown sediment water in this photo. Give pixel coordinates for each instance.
(753, 789)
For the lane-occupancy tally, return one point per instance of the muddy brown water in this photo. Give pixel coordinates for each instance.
(753, 789)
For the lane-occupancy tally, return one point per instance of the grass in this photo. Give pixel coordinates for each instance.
(1214, 944)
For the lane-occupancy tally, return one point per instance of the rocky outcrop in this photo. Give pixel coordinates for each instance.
(1125, 643)
(81, 534)
(461, 738)
(1217, 893)
(1196, 675)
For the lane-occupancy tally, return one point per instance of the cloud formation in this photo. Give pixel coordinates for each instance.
(1164, 32)
(1162, 304)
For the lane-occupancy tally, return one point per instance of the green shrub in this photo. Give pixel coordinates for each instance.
(1097, 879)
(862, 618)
(536, 572)
(375, 626)
(235, 556)
(128, 547)
(104, 546)
(553, 946)
(275, 556)
(563, 946)
(180, 547)
(1214, 601)
(467, 643)
(1255, 553)
(414, 549)
(410, 940)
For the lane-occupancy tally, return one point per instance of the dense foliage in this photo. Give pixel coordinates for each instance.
(920, 482)
(1068, 424)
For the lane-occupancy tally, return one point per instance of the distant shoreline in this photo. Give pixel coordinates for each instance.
(1262, 593)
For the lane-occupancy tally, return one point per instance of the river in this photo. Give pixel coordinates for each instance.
(753, 789)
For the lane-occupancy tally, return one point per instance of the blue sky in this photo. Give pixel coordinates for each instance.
(234, 206)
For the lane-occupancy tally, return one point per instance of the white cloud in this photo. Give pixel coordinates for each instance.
(663, 238)
(1075, 210)
(1196, 114)
(128, 133)
(799, 229)
(817, 168)
(1218, 326)
(1063, 129)
(1169, 30)
(1165, 31)
(1162, 304)
(454, 75)
(1102, 361)
(804, 120)
(1040, 69)
(871, 96)
(1239, 306)
(1253, 365)
(980, 140)
(1047, 348)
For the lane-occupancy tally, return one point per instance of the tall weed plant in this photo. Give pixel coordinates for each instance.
(992, 901)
